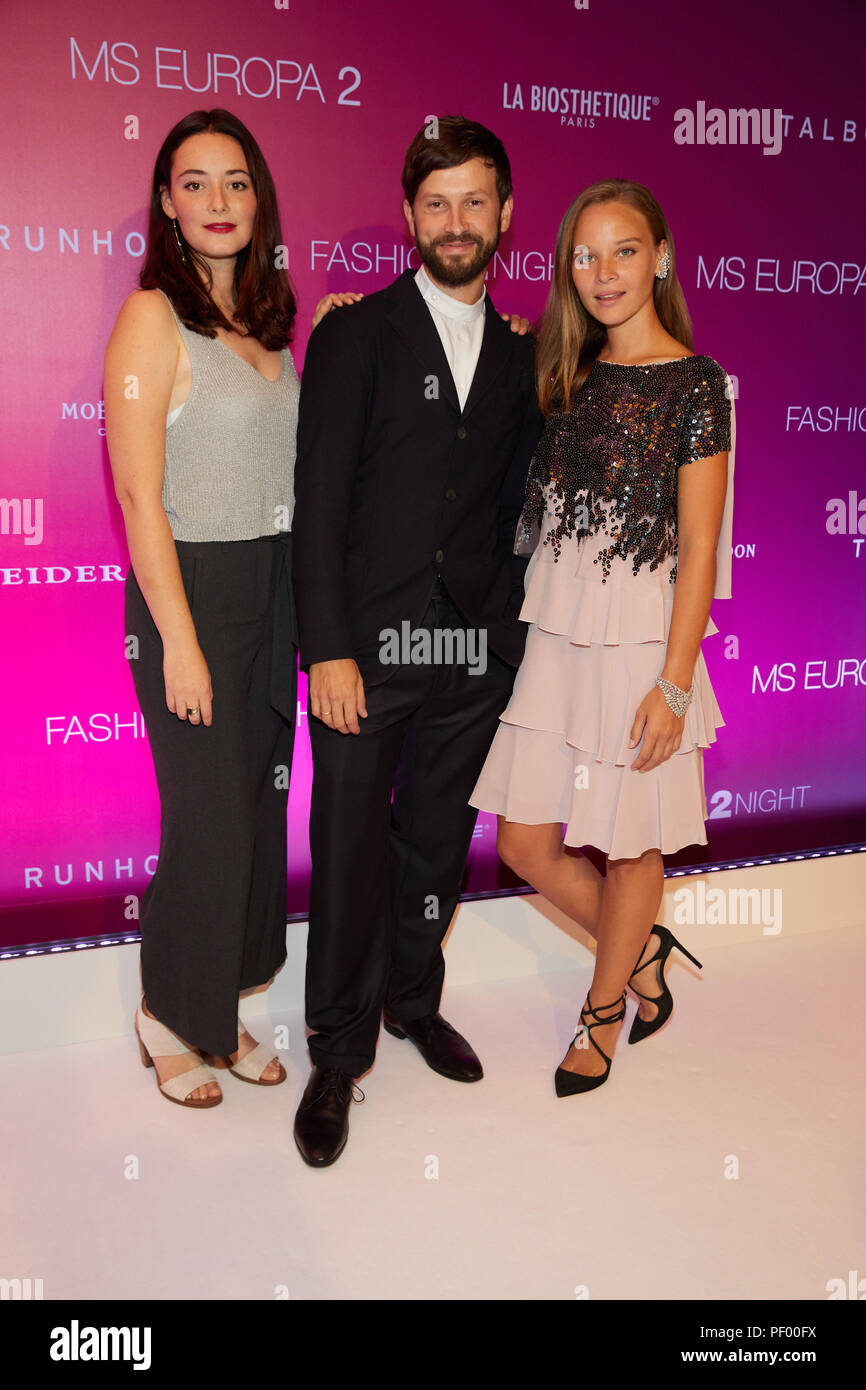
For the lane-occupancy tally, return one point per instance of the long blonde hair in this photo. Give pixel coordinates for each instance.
(570, 338)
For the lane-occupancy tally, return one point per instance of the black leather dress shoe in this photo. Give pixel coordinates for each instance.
(322, 1121)
(441, 1046)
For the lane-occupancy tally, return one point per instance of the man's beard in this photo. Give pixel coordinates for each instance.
(449, 271)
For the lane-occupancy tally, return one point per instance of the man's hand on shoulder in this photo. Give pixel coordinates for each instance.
(518, 324)
(333, 301)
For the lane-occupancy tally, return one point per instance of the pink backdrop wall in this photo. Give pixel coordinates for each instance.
(770, 253)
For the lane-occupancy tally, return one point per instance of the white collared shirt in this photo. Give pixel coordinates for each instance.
(461, 328)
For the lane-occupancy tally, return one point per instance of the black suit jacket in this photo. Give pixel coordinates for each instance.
(394, 483)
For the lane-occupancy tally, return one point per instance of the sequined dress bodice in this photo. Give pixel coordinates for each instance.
(600, 514)
(609, 466)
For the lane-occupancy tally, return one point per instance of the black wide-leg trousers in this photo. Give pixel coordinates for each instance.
(213, 917)
(390, 829)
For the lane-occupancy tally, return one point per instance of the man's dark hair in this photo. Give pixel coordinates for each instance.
(458, 140)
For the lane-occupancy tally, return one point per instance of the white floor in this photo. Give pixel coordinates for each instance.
(496, 1190)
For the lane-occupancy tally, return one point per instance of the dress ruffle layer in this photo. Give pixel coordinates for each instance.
(561, 753)
(590, 695)
(627, 607)
(530, 777)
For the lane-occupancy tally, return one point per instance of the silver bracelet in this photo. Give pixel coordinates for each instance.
(678, 700)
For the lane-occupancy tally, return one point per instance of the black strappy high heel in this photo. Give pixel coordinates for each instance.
(664, 1002)
(570, 1083)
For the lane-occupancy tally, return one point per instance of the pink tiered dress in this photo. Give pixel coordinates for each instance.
(593, 651)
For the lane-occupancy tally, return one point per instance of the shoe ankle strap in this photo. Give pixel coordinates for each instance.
(659, 931)
(618, 1004)
(159, 1040)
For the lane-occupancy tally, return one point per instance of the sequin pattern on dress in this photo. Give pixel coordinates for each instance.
(611, 463)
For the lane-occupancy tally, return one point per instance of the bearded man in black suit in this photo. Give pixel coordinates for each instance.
(417, 423)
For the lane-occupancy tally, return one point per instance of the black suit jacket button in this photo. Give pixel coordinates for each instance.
(450, 495)
(461, 432)
(439, 556)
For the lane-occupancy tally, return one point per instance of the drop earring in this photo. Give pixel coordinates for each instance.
(178, 240)
(664, 266)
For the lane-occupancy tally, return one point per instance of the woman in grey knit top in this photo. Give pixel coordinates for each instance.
(201, 410)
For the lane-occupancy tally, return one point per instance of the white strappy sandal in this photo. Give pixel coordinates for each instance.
(251, 1066)
(155, 1040)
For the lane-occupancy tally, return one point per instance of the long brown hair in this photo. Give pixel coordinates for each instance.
(570, 338)
(266, 304)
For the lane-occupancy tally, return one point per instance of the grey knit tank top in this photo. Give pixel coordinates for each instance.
(230, 448)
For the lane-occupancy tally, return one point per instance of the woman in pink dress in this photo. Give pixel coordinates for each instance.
(628, 522)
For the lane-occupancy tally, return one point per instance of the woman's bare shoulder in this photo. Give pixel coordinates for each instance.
(146, 307)
(145, 322)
